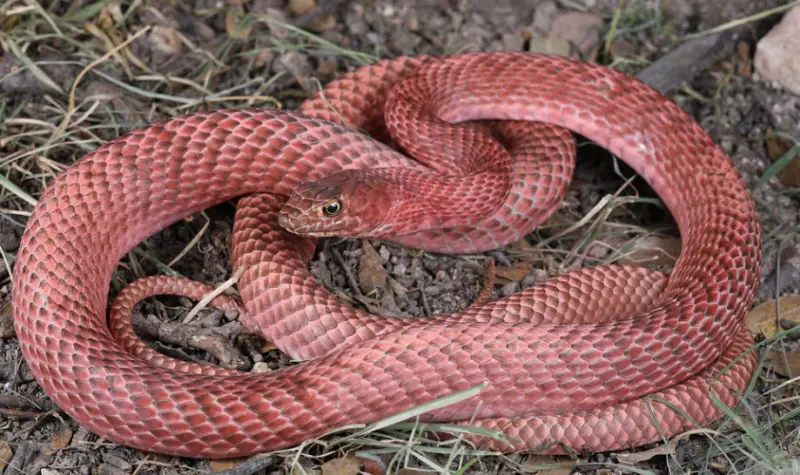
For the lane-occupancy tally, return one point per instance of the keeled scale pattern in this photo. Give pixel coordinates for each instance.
(591, 373)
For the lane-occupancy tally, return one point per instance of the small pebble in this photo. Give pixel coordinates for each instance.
(580, 28)
(543, 17)
(108, 469)
(299, 7)
(260, 367)
(777, 52)
(118, 462)
(509, 289)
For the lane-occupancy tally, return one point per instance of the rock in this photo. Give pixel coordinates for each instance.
(543, 17)
(371, 274)
(680, 11)
(777, 52)
(261, 6)
(355, 22)
(322, 23)
(580, 28)
(166, 39)
(502, 15)
(108, 469)
(277, 30)
(296, 63)
(118, 462)
(513, 42)
(16, 78)
(557, 46)
(300, 7)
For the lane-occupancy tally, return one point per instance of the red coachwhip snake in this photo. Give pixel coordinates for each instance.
(569, 363)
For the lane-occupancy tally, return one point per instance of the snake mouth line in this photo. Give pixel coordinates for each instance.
(303, 230)
(286, 222)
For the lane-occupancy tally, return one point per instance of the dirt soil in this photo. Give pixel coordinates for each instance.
(208, 45)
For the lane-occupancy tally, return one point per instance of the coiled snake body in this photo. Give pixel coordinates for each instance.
(593, 360)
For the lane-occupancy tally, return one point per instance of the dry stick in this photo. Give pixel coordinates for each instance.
(682, 64)
(419, 277)
(16, 401)
(190, 336)
(25, 451)
(255, 464)
(351, 278)
(212, 295)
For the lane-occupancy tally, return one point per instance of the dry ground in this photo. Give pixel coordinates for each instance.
(60, 98)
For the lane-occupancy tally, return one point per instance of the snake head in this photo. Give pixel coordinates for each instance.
(346, 204)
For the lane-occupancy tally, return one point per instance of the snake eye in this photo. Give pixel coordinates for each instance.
(332, 208)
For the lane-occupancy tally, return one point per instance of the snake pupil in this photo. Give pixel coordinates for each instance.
(333, 207)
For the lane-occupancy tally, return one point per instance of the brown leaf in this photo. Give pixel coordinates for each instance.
(166, 39)
(109, 45)
(302, 469)
(521, 245)
(762, 320)
(547, 464)
(582, 29)
(621, 48)
(653, 250)
(645, 455)
(226, 464)
(512, 274)
(267, 347)
(371, 274)
(7, 321)
(744, 66)
(557, 46)
(234, 26)
(777, 146)
(347, 465)
(262, 58)
(5, 455)
(327, 68)
(373, 466)
(60, 441)
(322, 23)
(786, 364)
(299, 7)
(104, 19)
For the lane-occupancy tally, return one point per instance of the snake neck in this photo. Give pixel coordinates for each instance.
(383, 202)
(423, 202)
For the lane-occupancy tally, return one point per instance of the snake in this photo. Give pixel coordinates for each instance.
(460, 153)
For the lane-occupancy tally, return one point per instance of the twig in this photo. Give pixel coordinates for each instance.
(742, 21)
(419, 277)
(190, 336)
(351, 278)
(255, 464)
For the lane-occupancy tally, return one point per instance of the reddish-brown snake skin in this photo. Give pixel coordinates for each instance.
(594, 360)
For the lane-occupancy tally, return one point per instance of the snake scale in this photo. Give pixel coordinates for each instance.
(598, 359)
